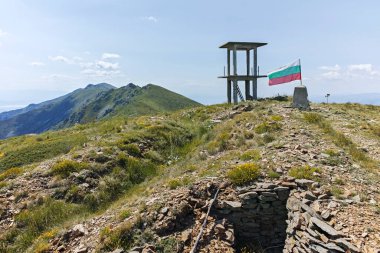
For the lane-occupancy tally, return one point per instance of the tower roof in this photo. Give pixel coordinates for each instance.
(242, 45)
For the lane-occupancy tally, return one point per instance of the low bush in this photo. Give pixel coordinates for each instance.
(267, 127)
(337, 192)
(10, 173)
(120, 237)
(31, 223)
(154, 156)
(252, 154)
(305, 172)
(174, 183)
(125, 214)
(244, 173)
(312, 117)
(273, 174)
(64, 168)
(38, 151)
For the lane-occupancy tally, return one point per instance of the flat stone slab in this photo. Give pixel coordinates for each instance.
(248, 195)
(232, 204)
(326, 228)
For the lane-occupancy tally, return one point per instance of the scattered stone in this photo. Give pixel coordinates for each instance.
(325, 228)
(346, 245)
(356, 198)
(304, 183)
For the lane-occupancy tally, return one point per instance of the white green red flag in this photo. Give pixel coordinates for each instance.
(286, 74)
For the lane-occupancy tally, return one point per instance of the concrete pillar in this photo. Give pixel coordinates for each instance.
(247, 88)
(228, 62)
(235, 74)
(300, 98)
(229, 84)
(254, 83)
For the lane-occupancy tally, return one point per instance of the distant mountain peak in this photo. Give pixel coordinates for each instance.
(131, 85)
(100, 85)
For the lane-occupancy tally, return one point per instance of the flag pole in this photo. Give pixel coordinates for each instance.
(300, 72)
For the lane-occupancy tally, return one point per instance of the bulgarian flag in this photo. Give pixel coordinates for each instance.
(286, 74)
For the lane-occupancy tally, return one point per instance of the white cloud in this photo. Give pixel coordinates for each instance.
(37, 64)
(110, 56)
(97, 68)
(360, 67)
(336, 67)
(55, 77)
(99, 73)
(2, 33)
(332, 75)
(151, 19)
(107, 65)
(60, 58)
(357, 71)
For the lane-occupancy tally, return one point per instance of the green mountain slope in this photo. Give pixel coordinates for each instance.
(92, 103)
(135, 182)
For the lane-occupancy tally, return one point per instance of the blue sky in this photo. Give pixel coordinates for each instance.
(49, 48)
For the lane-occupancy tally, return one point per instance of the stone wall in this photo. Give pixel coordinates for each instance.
(286, 216)
(258, 216)
(308, 222)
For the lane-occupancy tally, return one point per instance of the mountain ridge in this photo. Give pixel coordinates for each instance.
(94, 102)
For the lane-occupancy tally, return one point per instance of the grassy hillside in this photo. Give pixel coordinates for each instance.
(95, 102)
(104, 174)
(47, 115)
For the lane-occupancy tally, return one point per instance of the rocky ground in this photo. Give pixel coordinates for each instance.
(164, 214)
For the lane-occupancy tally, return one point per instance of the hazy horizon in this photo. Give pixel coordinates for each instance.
(51, 48)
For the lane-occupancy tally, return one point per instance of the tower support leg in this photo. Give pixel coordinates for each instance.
(229, 84)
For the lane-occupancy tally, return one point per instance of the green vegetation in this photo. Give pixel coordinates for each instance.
(340, 140)
(119, 237)
(125, 214)
(10, 173)
(267, 127)
(174, 183)
(252, 154)
(273, 174)
(337, 192)
(64, 168)
(31, 223)
(244, 173)
(31, 151)
(305, 172)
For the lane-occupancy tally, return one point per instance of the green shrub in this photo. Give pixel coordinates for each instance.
(64, 168)
(3, 184)
(132, 149)
(120, 237)
(125, 214)
(336, 192)
(38, 151)
(10, 173)
(252, 154)
(331, 152)
(154, 156)
(267, 127)
(305, 172)
(276, 118)
(167, 245)
(32, 222)
(267, 138)
(174, 183)
(273, 174)
(312, 117)
(244, 173)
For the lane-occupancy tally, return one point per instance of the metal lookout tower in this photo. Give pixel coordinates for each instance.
(234, 78)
